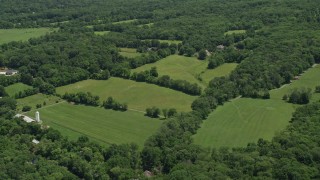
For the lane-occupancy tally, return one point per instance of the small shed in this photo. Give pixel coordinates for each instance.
(220, 47)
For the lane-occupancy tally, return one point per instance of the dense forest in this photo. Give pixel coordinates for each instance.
(280, 41)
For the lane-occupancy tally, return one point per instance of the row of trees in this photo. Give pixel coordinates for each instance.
(26, 93)
(110, 103)
(82, 98)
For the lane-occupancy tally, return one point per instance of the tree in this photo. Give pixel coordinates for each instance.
(202, 54)
(26, 108)
(2, 91)
(154, 72)
(172, 112)
(165, 112)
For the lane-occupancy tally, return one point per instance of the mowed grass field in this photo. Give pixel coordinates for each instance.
(245, 120)
(223, 70)
(138, 95)
(242, 121)
(178, 67)
(188, 68)
(8, 35)
(100, 125)
(16, 88)
(42, 99)
(129, 52)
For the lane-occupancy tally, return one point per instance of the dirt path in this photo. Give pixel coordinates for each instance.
(43, 107)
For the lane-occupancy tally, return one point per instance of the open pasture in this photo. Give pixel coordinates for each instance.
(242, 121)
(178, 67)
(222, 70)
(100, 125)
(44, 100)
(129, 52)
(8, 35)
(245, 120)
(16, 88)
(188, 68)
(137, 95)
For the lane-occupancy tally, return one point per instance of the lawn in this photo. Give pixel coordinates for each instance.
(244, 120)
(235, 32)
(42, 99)
(223, 70)
(8, 35)
(129, 52)
(16, 88)
(100, 125)
(178, 67)
(138, 95)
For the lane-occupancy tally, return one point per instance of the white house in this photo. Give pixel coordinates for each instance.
(8, 72)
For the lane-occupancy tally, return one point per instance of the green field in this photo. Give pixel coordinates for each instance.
(8, 35)
(101, 33)
(188, 68)
(38, 99)
(100, 125)
(125, 21)
(235, 32)
(219, 71)
(129, 52)
(309, 79)
(244, 120)
(139, 96)
(16, 88)
(178, 67)
(171, 41)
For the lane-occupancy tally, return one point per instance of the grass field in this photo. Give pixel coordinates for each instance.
(139, 96)
(235, 32)
(178, 67)
(8, 35)
(16, 88)
(100, 125)
(188, 68)
(129, 52)
(309, 79)
(37, 99)
(219, 71)
(101, 33)
(244, 120)
(171, 41)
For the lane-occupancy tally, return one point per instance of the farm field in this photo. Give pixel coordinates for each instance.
(178, 67)
(129, 52)
(149, 25)
(235, 32)
(219, 71)
(8, 35)
(171, 41)
(188, 68)
(245, 120)
(16, 88)
(139, 96)
(38, 99)
(309, 79)
(100, 125)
